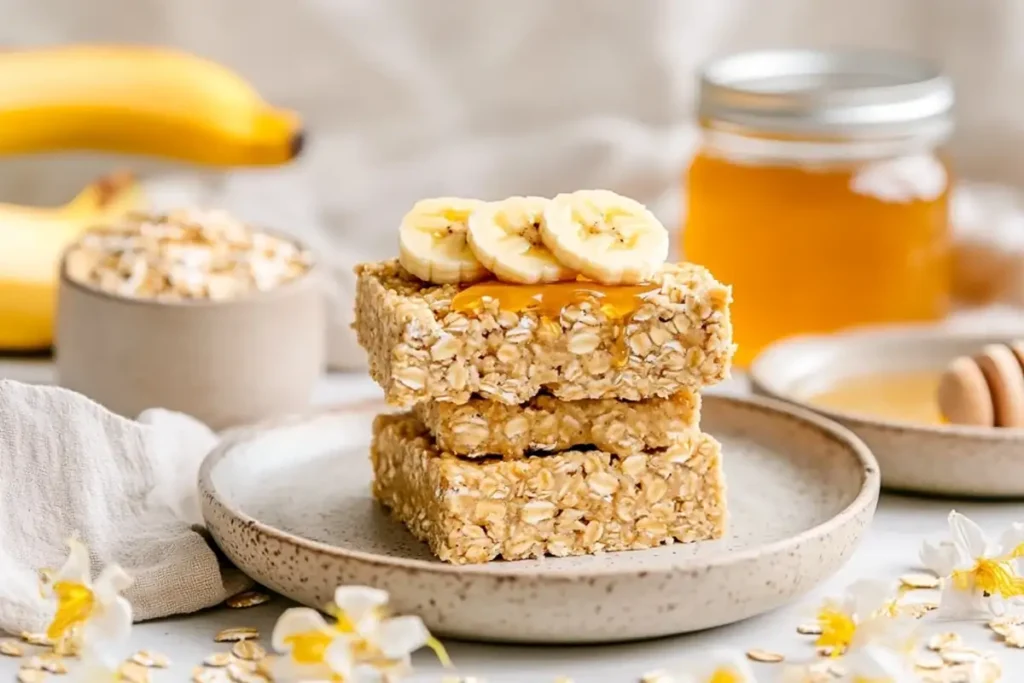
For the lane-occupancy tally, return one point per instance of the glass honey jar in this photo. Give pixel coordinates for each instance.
(819, 191)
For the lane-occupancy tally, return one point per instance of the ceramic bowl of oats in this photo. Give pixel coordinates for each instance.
(194, 312)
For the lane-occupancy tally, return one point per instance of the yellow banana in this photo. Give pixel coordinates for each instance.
(31, 242)
(139, 100)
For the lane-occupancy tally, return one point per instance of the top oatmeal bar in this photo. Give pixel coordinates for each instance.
(447, 343)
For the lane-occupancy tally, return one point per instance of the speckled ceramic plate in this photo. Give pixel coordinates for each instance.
(290, 505)
(949, 460)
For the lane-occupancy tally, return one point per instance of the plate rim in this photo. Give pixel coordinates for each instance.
(866, 498)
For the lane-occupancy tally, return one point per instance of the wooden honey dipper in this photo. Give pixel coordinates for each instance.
(987, 389)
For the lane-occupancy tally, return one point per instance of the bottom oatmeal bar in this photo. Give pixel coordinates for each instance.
(482, 427)
(571, 503)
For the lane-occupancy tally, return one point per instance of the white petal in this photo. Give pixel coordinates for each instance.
(111, 582)
(77, 567)
(338, 657)
(286, 670)
(110, 627)
(957, 605)
(876, 663)
(359, 602)
(984, 671)
(940, 558)
(365, 673)
(968, 538)
(1012, 538)
(295, 620)
(401, 636)
(867, 596)
(892, 632)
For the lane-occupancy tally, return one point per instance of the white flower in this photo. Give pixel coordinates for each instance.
(875, 664)
(387, 641)
(978, 575)
(868, 612)
(90, 615)
(869, 664)
(312, 649)
(718, 667)
(362, 644)
(97, 668)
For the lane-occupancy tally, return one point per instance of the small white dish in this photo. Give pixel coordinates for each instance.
(290, 505)
(950, 460)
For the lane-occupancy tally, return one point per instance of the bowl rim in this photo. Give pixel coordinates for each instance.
(763, 367)
(312, 275)
(865, 500)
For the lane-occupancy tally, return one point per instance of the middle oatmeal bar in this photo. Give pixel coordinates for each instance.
(574, 340)
(571, 503)
(479, 427)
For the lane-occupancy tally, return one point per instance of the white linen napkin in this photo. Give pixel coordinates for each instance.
(126, 488)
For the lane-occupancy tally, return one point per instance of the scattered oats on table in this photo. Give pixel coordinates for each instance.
(31, 676)
(184, 255)
(34, 662)
(201, 675)
(247, 599)
(656, 677)
(941, 641)
(249, 650)
(243, 674)
(130, 672)
(36, 639)
(232, 635)
(218, 659)
(809, 629)
(765, 656)
(919, 581)
(151, 659)
(928, 660)
(52, 663)
(11, 648)
(1005, 624)
(1014, 637)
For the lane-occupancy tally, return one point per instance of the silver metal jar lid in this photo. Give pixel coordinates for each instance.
(854, 94)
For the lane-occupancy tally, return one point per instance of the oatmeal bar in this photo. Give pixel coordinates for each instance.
(482, 427)
(677, 336)
(571, 503)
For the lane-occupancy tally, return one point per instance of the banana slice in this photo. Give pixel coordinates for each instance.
(432, 241)
(607, 237)
(505, 236)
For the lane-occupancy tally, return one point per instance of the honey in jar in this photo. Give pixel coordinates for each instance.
(818, 191)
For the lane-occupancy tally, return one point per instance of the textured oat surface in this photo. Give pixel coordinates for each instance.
(482, 427)
(570, 503)
(419, 349)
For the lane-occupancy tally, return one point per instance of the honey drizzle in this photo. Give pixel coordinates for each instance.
(617, 302)
(548, 300)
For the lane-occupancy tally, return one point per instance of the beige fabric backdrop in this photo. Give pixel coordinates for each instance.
(409, 98)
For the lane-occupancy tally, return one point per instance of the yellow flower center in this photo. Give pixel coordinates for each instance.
(992, 575)
(75, 603)
(837, 629)
(309, 647)
(725, 675)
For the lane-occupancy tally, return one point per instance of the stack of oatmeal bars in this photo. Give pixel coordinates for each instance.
(566, 428)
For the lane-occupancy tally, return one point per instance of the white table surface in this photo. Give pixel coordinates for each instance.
(889, 550)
